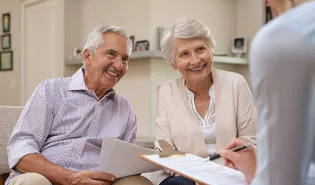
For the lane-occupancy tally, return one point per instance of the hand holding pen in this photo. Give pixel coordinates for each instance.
(235, 149)
(243, 159)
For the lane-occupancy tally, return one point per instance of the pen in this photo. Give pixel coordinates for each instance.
(238, 148)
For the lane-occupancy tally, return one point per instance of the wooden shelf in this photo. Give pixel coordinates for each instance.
(73, 62)
(158, 54)
(230, 60)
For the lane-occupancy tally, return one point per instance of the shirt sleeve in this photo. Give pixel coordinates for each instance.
(281, 74)
(131, 132)
(32, 128)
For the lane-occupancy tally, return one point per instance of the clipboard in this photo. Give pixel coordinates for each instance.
(195, 168)
(120, 158)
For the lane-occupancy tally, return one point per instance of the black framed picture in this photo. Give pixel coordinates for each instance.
(142, 45)
(268, 13)
(6, 22)
(132, 38)
(6, 61)
(6, 41)
(239, 45)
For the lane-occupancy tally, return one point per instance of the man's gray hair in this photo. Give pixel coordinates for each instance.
(185, 28)
(95, 38)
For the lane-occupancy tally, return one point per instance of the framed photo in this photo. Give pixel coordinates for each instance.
(6, 22)
(132, 38)
(161, 32)
(6, 61)
(239, 45)
(268, 14)
(142, 45)
(6, 41)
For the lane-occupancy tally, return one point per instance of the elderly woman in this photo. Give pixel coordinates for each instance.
(206, 108)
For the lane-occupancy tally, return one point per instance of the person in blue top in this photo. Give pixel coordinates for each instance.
(282, 73)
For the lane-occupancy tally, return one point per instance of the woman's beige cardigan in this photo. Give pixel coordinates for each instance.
(235, 115)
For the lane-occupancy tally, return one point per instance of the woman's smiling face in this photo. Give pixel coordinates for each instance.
(192, 58)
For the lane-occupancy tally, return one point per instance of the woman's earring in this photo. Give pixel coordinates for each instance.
(174, 67)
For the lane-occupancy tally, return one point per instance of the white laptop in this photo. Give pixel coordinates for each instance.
(121, 159)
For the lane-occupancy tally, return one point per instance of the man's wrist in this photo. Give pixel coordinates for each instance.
(65, 176)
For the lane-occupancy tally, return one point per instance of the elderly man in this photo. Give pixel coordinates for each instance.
(58, 137)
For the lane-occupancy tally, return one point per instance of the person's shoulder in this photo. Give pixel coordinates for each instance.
(171, 85)
(121, 100)
(57, 83)
(54, 84)
(286, 38)
(298, 21)
(228, 75)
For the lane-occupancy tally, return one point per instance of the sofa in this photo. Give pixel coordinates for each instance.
(8, 119)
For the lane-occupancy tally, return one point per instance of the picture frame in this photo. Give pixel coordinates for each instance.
(239, 45)
(6, 61)
(132, 38)
(161, 32)
(142, 45)
(6, 41)
(6, 22)
(268, 14)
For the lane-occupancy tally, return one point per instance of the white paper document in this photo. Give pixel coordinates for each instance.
(121, 159)
(196, 168)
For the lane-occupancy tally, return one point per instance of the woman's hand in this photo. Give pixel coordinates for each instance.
(244, 160)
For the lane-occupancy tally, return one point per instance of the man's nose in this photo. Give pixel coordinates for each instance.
(118, 63)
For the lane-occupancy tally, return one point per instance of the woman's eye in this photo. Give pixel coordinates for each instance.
(184, 54)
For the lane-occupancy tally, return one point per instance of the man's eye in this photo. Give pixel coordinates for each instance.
(200, 49)
(125, 61)
(111, 54)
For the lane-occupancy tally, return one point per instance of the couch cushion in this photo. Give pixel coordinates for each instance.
(8, 119)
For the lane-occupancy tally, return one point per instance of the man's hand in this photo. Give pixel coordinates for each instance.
(91, 178)
(244, 160)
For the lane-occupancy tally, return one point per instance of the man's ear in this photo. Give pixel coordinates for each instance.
(86, 56)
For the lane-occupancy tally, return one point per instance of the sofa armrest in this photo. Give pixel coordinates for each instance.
(3, 178)
(8, 119)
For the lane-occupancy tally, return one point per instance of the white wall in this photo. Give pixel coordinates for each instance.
(72, 32)
(142, 17)
(10, 80)
(132, 15)
(250, 17)
(218, 15)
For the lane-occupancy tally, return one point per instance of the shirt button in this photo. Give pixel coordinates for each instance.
(98, 103)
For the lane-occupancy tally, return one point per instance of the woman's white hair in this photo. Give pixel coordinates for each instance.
(95, 38)
(185, 28)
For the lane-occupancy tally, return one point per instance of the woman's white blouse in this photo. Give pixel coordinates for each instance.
(207, 123)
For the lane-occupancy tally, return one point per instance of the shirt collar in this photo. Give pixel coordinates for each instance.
(77, 81)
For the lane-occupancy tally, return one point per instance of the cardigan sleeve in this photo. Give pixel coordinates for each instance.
(163, 130)
(246, 113)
